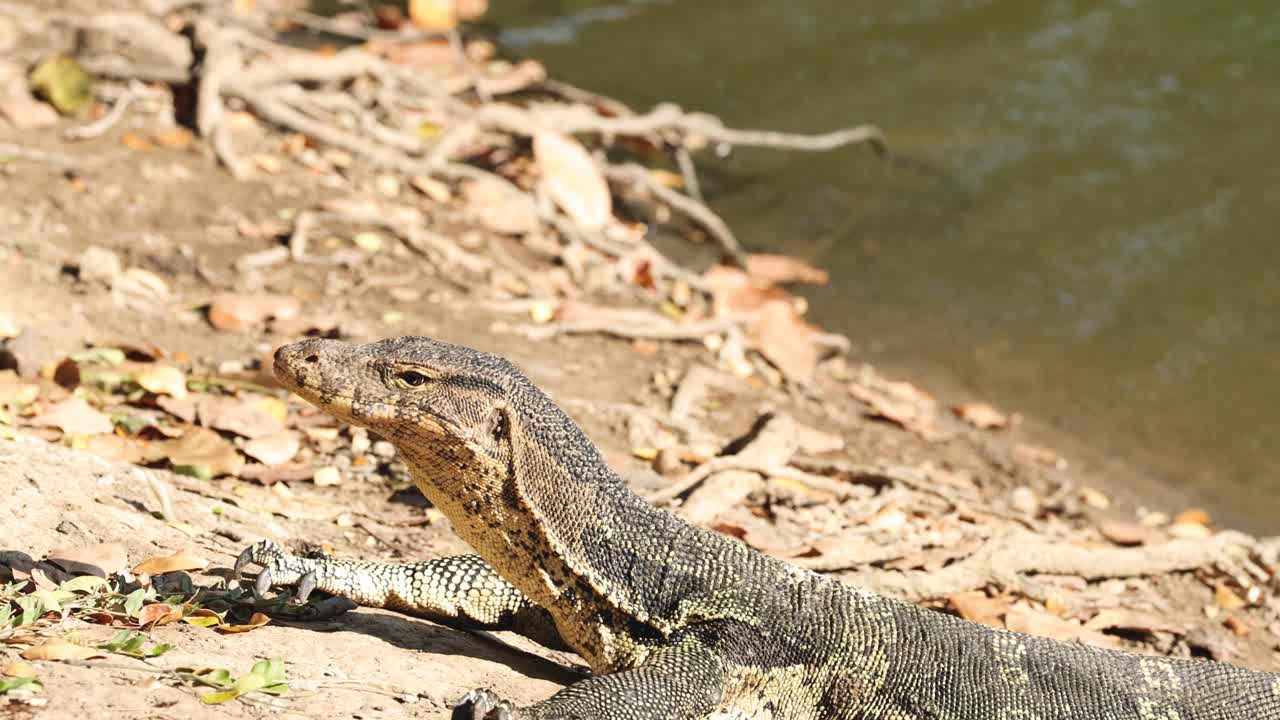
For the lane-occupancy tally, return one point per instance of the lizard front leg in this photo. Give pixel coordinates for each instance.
(680, 682)
(461, 591)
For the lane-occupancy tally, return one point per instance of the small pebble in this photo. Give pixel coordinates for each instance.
(1024, 500)
(384, 450)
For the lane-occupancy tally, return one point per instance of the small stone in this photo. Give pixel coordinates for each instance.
(387, 185)
(98, 263)
(370, 242)
(1024, 500)
(360, 442)
(384, 450)
(668, 462)
(326, 477)
(1094, 498)
(1155, 519)
(26, 113)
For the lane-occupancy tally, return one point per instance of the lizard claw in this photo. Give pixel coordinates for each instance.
(306, 584)
(278, 568)
(483, 704)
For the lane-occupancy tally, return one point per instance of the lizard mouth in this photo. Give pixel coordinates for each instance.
(326, 373)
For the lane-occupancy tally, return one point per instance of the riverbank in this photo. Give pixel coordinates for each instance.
(193, 255)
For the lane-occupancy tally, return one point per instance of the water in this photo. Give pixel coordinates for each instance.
(1081, 222)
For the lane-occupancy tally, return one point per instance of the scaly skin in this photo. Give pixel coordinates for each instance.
(676, 621)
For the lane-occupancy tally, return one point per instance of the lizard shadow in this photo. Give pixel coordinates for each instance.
(411, 633)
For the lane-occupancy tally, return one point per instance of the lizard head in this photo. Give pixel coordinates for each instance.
(443, 406)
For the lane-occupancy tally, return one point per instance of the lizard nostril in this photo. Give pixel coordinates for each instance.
(312, 359)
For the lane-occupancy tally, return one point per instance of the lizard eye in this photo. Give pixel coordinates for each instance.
(412, 378)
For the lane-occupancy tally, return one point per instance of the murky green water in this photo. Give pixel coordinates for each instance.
(1083, 222)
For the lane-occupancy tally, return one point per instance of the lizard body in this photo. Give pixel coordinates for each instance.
(674, 620)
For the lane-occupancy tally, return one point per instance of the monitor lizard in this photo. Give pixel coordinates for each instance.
(676, 621)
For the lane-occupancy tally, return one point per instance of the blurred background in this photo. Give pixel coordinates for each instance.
(1079, 221)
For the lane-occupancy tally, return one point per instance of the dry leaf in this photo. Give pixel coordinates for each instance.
(1035, 455)
(780, 269)
(202, 448)
(573, 180)
(900, 402)
(1226, 598)
(102, 559)
(437, 15)
(498, 208)
(157, 614)
(1127, 533)
(163, 380)
(256, 620)
(975, 606)
(232, 312)
(178, 561)
(274, 449)
(59, 649)
(1034, 622)
(19, 670)
(1237, 626)
(1132, 620)
(785, 340)
(74, 416)
(981, 416)
(252, 416)
(1194, 515)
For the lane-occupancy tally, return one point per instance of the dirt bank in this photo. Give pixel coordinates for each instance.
(141, 238)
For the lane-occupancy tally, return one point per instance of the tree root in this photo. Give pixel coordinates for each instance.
(1008, 561)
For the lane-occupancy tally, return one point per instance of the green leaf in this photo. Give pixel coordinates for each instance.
(53, 599)
(219, 697)
(249, 682)
(84, 584)
(100, 355)
(131, 643)
(200, 472)
(8, 683)
(132, 424)
(272, 669)
(63, 82)
(218, 677)
(32, 608)
(6, 615)
(133, 602)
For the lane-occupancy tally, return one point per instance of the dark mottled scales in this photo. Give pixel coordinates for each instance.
(676, 621)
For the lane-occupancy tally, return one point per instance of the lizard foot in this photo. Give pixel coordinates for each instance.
(278, 568)
(483, 705)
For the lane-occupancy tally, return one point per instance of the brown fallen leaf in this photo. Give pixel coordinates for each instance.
(1226, 598)
(256, 620)
(981, 415)
(498, 208)
(163, 380)
(1129, 533)
(782, 336)
(102, 559)
(271, 474)
(1238, 626)
(1035, 622)
(74, 416)
(202, 448)
(1132, 620)
(252, 416)
(573, 180)
(157, 614)
(975, 606)
(59, 649)
(232, 312)
(781, 269)
(1035, 455)
(274, 449)
(901, 403)
(176, 562)
(18, 670)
